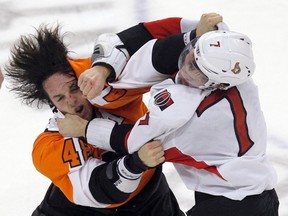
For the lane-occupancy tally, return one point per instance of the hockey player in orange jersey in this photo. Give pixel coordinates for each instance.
(105, 182)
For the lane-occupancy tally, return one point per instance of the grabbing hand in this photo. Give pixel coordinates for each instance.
(72, 126)
(208, 23)
(151, 154)
(91, 82)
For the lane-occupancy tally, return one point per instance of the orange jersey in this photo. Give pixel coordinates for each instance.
(68, 162)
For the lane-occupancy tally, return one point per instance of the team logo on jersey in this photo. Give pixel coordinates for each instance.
(163, 99)
(114, 94)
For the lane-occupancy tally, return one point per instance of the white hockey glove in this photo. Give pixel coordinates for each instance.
(110, 51)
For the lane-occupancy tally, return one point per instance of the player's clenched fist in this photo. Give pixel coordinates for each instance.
(208, 23)
(72, 126)
(91, 82)
(151, 154)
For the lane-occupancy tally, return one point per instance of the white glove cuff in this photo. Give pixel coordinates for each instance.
(109, 49)
(128, 181)
(98, 133)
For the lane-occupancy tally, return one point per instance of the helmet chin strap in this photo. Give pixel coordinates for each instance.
(222, 86)
(212, 86)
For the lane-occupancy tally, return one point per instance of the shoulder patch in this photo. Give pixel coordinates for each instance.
(163, 99)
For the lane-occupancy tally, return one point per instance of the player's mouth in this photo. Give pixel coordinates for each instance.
(82, 112)
(79, 109)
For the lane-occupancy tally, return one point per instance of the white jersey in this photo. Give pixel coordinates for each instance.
(218, 146)
(216, 140)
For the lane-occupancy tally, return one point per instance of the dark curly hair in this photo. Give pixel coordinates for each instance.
(34, 58)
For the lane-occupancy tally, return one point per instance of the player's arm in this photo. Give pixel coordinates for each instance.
(135, 37)
(97, 132)
(127, 42)
(140, 71)
(113, 51)
(115, 182)
(170, 107)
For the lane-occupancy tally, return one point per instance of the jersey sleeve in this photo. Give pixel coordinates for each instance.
(169, 26)
(105, 134)
(154, 62)
(114, 50)
(170, 107)
(135, 37)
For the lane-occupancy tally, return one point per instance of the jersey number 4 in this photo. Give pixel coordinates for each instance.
(71, 155)
(239, 113)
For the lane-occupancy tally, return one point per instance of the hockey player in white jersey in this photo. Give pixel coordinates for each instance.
(215, 134)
